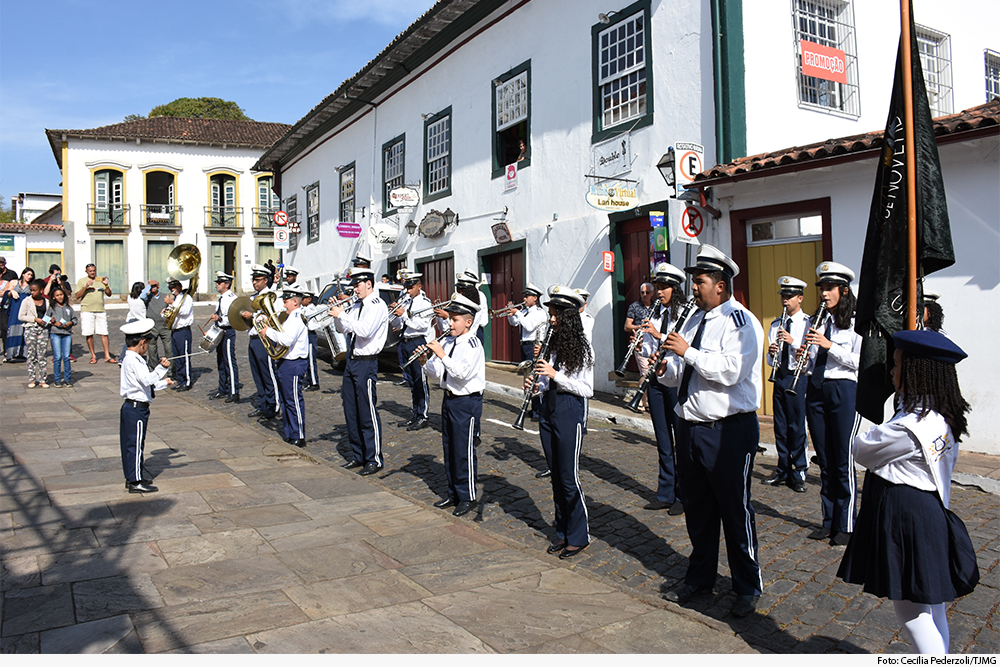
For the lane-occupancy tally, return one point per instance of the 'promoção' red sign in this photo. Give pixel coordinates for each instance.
(823, 62)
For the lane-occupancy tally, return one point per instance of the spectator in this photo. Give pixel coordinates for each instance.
(385, 278)
(136, 311)
(36, 327)
(14, 293)
(633, 322)
(56, 277)
(64, 318)
(155, 304)
(273, 269)
(6, 276)
(93, 317)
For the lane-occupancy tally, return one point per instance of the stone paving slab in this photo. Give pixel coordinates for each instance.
(223, 578)
(110, 596)
(109, 635)
(348, 595)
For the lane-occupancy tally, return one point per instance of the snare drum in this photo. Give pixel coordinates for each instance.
(212, 338)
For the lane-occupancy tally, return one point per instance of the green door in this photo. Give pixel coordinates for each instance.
(157, 253)
(109, 256)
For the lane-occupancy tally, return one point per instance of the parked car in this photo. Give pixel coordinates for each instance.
(389, 293)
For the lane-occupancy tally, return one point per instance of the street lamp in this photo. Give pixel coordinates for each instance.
(411, 227)
(666, 166)
(450, 217)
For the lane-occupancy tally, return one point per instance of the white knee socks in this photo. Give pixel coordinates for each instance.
(926, 625)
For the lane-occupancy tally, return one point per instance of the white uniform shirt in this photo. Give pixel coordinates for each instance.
(137, 379)
(225, 300)
(482, 318)
(370, 325)
(587, 320)
(421, 325)
(465, 362)
(649, 342)
(529, 319)
(185, 311)
(800, 324)
(843, 357)
(295, 337)
(580, 383)
(726, 377)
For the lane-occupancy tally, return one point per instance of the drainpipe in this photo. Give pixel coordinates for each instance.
(720, 123)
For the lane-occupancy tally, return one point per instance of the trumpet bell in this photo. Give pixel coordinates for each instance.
(183, 261)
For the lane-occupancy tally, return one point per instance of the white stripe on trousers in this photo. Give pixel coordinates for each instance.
(371, 407)
(138, 449)
(576, 478)
(298, 412)
(853, 480)
(187, 364)
(274, 382)
(230, 345)
(747, 525)
(470, 454)
(312, 375)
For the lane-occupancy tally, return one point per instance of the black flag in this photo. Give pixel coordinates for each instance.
(881, 309)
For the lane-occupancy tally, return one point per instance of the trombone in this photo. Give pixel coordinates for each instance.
(498, 312)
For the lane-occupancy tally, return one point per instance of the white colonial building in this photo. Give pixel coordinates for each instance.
(133, 191)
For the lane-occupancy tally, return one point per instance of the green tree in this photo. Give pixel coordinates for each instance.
(6, 214)
(133, 116)
(201, 107)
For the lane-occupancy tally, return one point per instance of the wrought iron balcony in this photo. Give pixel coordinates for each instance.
(108, 218)
(161, 217)
(263, 220)
(223, 219)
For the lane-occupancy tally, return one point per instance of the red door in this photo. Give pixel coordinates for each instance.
(636, 256)
(438, 278)
(506, 285)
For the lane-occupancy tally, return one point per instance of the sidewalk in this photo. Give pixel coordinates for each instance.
(254, 546)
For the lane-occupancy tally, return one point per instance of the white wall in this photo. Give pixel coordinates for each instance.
(558, 42)
(774, 119)
(970, 288)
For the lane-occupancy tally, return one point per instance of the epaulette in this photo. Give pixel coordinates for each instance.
(739, 318)
(474, 341)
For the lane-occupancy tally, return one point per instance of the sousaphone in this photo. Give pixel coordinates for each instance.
(182, 264)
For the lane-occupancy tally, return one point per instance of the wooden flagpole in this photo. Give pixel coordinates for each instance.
(911, 168)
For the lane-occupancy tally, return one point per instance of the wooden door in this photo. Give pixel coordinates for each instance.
(636, 269)
(110, 259)
(506, 286)
(438, 278)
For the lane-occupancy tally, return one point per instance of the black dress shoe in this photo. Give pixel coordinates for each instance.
(555, 548)
(445, 503)
(819, 534)
(464, 507)
(544, 473)
(676, 509)
(417, 425)
(402, 383)
(744, 606)
(301, 442)
(656, 505)
(312, 387)
(233, 398)
(840, 539)
(256, 413)
(685, 593)
(187, 388)
(268, 415)
(409, 422)
(217, 395)
(141, 486)
(797, 485)
(569, 551)
(369, 469)
(773, 480)
(352, 464)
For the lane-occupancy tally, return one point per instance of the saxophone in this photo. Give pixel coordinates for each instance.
(266, 316)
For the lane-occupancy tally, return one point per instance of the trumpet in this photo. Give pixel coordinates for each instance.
(433, 306)
(777, 352)
(422, 350)
(529, 391)
(499, 311)
(654, 361)
(821, 315)
(620, 371)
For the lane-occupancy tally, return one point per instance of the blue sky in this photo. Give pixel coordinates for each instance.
(75, 64)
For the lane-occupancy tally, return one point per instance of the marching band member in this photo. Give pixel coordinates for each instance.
(789, 410)
(908, 546)
(566, 378)
(292, 367)
(361, 261)
(460, 364)
(312, 374)
(417, 330)
(668, 282)
(136, 385)
(530, 318)
(586, 318)
(833, 384)
(180, 333)
(262, 366)
(715, 361)
(291, 276)
(225, 353)
(368, 321)
(469, 280)
(933, 312)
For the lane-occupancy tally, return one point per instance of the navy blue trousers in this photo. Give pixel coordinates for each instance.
(460, 417)
(290, 372)
(402, 359)
(181, 340)
(560, 427)
(662, 400)
(790, 427)
(364, 427)
(715, 463)
(414, 375)
(264, 376)
(312, 378)
(225, 358)
(830, 413)
(132, 439)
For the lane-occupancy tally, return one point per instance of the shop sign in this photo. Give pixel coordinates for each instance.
(608, 261)
(383, 233)
(501, 233)
(403, 198)
(613, 196)
(349, 230)
(614, 157)
(6, 243)
(432, 225)
(823, 62)
(510, 177)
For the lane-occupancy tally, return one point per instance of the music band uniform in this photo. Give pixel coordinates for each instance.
(417, 330)
(262, 367)
(180, 335)
(136, 388)
(225, 353)
(789, 410)
(291, 369)
(531, 320)
(462, 375)
(719, 392)
(469, 278)
(368, 321)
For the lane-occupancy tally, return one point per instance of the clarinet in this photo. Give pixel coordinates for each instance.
(620, 371)
(423, 350)
(654, 361)
(529, 392)
(777, 352)
(821, 315)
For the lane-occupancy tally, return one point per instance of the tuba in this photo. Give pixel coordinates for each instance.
(267, 316)
(182, 264)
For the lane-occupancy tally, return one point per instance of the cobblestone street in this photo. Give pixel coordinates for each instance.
(804, 608)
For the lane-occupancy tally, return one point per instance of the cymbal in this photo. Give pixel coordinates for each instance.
(236, 320)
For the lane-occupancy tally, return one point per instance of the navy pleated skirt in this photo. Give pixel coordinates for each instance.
(899, 548)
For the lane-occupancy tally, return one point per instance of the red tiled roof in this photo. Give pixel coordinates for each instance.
(985, 117)
(24, 227)
(205, 131)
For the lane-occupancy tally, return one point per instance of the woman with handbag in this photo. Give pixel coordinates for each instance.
(14, 293)
(907, 545)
